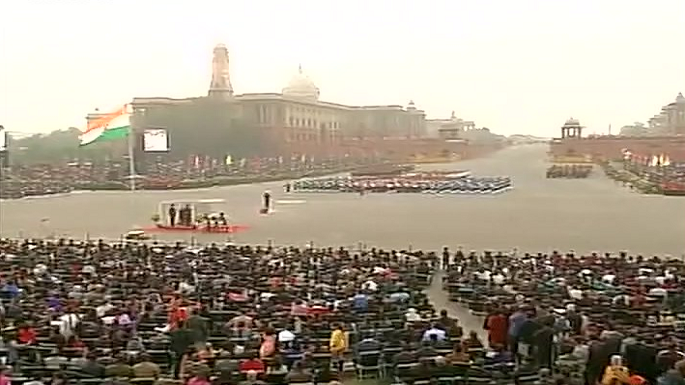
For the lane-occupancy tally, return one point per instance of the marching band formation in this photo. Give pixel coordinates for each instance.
(406, 184)
(575, 171)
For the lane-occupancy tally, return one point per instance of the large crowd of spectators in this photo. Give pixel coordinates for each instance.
(609, 319)
(20, 181)
(95, 313)
(135, 313)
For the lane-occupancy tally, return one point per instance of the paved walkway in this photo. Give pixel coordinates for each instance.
(440, 299)
(539, 214)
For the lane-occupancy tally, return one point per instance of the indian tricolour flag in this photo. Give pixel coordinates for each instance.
(112, 126)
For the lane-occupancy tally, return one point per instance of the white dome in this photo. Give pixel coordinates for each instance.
(301, 86)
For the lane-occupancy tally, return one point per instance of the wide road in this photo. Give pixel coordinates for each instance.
(593, 214)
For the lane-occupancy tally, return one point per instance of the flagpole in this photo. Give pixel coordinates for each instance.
(131, 151)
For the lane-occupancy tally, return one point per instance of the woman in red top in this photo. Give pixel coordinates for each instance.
(497, 326)
(27, 335)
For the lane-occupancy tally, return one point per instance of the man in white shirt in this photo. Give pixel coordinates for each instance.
(439, 334)
(68, 324)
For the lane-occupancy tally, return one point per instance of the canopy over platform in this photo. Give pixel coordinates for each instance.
(199, 208)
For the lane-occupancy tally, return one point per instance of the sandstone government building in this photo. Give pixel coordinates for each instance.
(293, 121)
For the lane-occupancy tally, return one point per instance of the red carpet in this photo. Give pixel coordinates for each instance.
(230, 229)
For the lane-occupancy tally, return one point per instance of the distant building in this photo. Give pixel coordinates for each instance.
(572, 144)
(294, 116)
(572, 129)
(451, 128)
(670, 121)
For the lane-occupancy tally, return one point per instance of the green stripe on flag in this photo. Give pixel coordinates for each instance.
(114, 133)
(111, 134)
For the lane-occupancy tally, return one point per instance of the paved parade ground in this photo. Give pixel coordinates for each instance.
(540, 214)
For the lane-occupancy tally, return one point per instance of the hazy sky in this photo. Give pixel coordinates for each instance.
(511, 65)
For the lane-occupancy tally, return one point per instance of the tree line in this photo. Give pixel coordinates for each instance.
(201, 128)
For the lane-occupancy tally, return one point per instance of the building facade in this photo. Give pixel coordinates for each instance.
(295, 116)
(670, 121)
(451, 128)
(298, 115)
(572, 144)
(294, 121)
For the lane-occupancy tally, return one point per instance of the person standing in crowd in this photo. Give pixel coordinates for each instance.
(594, 368)
(445, 258)
(497, 325)
(172, 215)
(516, 321)
(185, 216)
(198, 327)
(266, 201)
(181, 340)
(338, 346)
(543, 339)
